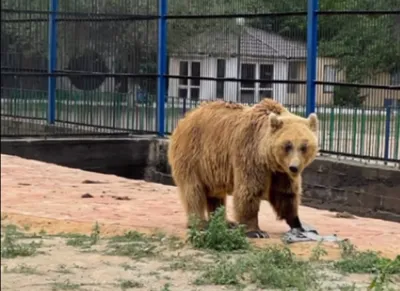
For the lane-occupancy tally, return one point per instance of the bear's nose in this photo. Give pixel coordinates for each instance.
(293, 169)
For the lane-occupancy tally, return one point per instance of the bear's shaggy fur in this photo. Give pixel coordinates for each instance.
(252, 153)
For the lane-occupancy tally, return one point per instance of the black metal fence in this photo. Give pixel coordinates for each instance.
(92, 67)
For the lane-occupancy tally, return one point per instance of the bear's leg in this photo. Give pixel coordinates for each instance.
(247, 206)
(194, 201)
(213, 203)
(284, 197)
(286, 206)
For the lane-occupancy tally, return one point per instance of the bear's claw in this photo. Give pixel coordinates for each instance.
(257, 234)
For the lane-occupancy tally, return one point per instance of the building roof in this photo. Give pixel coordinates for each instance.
(254, 42)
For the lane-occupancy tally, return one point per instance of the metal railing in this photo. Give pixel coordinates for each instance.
(115, 66)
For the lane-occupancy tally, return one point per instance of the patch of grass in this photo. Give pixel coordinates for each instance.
(11, 248)
(318, 252)
(137, 245)
(354, 261)
(166, 287)
(187, 263)
(218, 236)
(348, 287)
(383, 278)
(126, 267)
(273, 267)
(277, 267)
(128, 284)
(84, 241)
(66, 285)
(63, 269)
(129, 237)
(23, 269)
(223, 272)
(135, 249)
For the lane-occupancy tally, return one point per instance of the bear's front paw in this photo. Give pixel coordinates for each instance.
(257, 234)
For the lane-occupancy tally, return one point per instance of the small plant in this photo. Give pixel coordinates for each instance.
(128, 284)
(273, 267)
(382, 278)
(351, 287)
(95, 235)
(84, 241)
(347, 248)
(63, 269)
(318, 252)
(223, 272)
(277, 267)
(218, 236)
(132, 244)
(66, 285)
(166, 287)
(23, 269)
(130, 236)
(366, 262)
(10, 248)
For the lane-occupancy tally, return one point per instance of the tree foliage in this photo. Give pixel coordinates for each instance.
(363, 44)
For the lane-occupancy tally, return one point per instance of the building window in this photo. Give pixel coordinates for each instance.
(293, 74)
(247, 88)
(329, 76)
(395, 78)
(250, 91)
(221, 64)
(189, 88)
(267, 74)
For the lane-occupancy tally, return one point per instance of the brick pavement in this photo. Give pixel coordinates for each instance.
(49, 197)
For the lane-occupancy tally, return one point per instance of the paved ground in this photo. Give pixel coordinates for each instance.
(49, 197)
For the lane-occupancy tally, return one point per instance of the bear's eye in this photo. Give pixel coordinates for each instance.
(303, 148)
(288, 147)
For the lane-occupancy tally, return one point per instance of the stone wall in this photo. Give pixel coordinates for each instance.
(364, 190)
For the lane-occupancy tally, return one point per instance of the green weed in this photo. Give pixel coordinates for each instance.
(66, 285)
(84, 241)
(354, 261)
(166, 287)
(11, 248)
(218, 236)
(134, 249)
(23, 269)
(318, 252)
(273, 267)
(128, 284)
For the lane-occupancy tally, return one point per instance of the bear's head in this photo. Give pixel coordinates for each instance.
(293, 142)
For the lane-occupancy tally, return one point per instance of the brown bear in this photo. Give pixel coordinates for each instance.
(252, 153)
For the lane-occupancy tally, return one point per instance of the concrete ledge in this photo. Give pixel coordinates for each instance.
(364, 190)
(124, 156)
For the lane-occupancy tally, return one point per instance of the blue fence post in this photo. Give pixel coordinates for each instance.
(52, 64)
(162, 65)
(312, 47)
(387, 132)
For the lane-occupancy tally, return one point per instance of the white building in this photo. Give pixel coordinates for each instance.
(261, 55)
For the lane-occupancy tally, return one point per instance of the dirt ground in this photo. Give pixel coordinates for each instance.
(46, 198)
(65, 263)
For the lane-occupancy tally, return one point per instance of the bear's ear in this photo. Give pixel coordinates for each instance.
(313, 122)
(275, 122)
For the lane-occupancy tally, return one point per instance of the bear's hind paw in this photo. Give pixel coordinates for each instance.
(257, 234)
